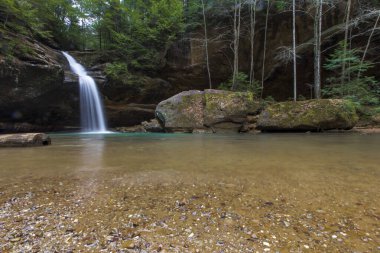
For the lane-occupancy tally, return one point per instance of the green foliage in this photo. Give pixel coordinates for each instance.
(352, 84)
(117, 71)
(281, 5)
(19, 16)
(376, 110)
(53, 20)
(140, 31)
(242, 84)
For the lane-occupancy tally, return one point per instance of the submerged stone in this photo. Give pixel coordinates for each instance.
(311, 115)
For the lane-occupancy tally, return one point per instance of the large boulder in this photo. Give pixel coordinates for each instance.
(194, 110)
(311, 115)
(182, 112)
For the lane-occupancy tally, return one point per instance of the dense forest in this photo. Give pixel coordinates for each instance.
(138, 36)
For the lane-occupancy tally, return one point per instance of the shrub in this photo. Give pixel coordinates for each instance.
(352, 84)
(242, 84)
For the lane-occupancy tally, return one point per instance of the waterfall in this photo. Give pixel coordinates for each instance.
(91, 107)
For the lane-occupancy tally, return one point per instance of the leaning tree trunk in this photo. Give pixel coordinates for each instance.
(368, 44)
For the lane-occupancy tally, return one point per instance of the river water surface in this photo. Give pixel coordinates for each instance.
(192, 193)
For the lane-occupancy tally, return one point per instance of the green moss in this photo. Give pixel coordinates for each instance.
(312, 114)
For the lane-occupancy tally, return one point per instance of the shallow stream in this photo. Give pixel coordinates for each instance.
(183, 193)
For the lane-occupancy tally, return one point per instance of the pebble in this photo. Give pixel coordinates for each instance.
(128, 245)
(266, 244)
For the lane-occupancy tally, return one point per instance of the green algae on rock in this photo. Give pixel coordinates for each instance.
(222, 106)
(311, 115)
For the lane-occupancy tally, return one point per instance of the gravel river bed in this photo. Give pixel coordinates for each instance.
(192, 193)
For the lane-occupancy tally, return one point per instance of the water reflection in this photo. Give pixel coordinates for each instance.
(91, 163)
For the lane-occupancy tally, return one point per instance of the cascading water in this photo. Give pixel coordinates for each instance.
(91, 108)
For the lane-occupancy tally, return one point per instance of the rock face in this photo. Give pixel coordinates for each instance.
(24, 140)
(128, 114)
(217, 110)
(33, 86)
(311, 115)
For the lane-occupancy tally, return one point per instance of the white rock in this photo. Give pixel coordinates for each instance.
(266, 244)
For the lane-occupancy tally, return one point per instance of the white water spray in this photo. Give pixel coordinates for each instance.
(91, 107)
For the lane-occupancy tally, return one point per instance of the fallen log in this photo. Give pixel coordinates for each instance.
(24, 140)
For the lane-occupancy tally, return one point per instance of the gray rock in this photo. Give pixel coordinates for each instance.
(152, 126)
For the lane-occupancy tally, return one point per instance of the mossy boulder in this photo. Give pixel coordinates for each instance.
(311, 115)
(182, 112)
(226, 106)
(195, 109)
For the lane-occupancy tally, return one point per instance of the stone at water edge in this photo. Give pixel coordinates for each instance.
(152, 126)
(311, 115)
(183, 111)
(24, 140)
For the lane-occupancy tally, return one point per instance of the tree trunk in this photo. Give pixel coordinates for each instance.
(252, 10)
(294, 53)
(265, 49)
(24, 140)
(345, 43)
(317, 49)
(236, 42)
(206, 44)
